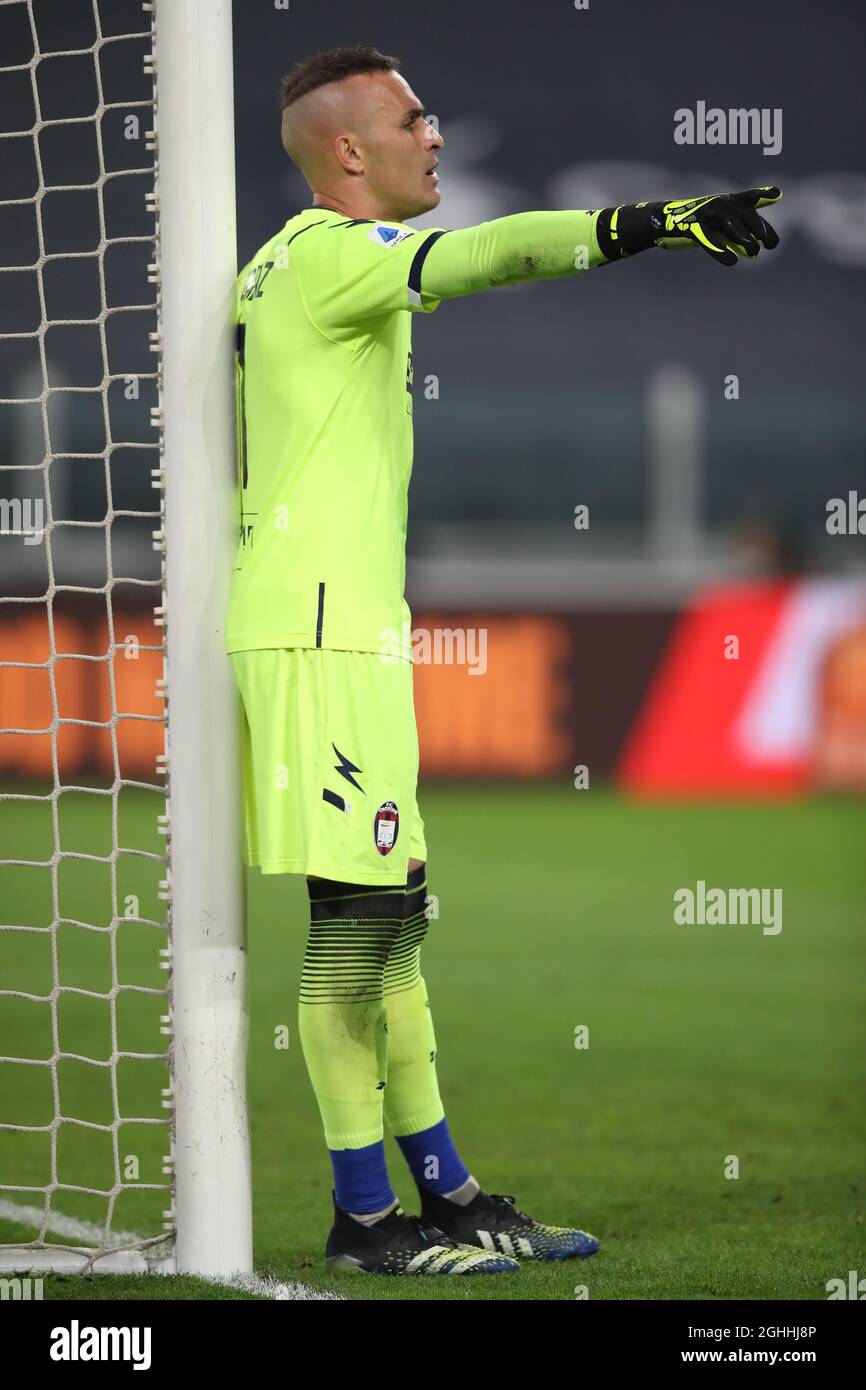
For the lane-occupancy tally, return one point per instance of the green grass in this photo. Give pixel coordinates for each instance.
(555, 910)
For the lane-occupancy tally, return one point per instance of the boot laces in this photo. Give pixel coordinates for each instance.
(503, 1199)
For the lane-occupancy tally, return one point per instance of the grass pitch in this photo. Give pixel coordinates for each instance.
(555, 910)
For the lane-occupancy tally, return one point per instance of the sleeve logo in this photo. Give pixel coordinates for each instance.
(389, 236)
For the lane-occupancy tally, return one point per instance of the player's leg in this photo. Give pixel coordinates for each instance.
(341, 1019)
(357, 861)
(326, 800)
(413, 1105)
(356, 896)
(343, 1034)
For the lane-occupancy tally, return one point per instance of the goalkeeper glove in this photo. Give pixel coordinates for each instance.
(726, 225)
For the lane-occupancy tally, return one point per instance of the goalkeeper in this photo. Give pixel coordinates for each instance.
(319, 633)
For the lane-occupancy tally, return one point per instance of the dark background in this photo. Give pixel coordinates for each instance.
(543, 388)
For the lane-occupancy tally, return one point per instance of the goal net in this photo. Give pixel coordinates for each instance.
(123, 1131)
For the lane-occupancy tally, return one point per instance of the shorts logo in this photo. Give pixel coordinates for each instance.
(386, 824)
(389, 236)
(346, 767)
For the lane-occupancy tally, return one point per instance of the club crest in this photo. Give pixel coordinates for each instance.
(386, 824)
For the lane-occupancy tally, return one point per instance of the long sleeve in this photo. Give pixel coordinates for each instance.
(510, 250)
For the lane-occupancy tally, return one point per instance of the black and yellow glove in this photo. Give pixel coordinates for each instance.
(726, 225)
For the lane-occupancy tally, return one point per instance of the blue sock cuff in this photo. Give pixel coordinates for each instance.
(434, 1143)
(361, 1182)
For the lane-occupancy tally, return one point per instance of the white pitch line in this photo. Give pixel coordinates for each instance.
(87, 1232)
(83, 1231)
(272, 1288)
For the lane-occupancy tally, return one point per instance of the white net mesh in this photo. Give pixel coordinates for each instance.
(85, 1101)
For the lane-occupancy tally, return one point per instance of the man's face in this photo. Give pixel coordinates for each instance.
(399, 148)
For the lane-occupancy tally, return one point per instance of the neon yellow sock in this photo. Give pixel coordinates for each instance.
(341, 1012)
(412, 1100)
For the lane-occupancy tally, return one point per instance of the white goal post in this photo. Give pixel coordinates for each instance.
(193, 201)
(198, 255)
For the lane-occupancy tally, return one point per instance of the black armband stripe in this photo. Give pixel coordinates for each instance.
(414, 281)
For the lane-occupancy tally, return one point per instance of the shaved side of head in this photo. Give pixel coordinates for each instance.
(328, 95)
(313, 122)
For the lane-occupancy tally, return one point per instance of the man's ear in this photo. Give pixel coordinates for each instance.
(349, 154)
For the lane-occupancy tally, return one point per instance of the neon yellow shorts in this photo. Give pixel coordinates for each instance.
(330, 755)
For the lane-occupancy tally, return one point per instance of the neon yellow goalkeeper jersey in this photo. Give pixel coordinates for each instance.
(324, 412)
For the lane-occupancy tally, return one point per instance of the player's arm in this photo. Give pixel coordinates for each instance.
(549, 245)
(354, 270)
(509, 251)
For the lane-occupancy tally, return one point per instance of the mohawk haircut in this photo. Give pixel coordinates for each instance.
(332, 66)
